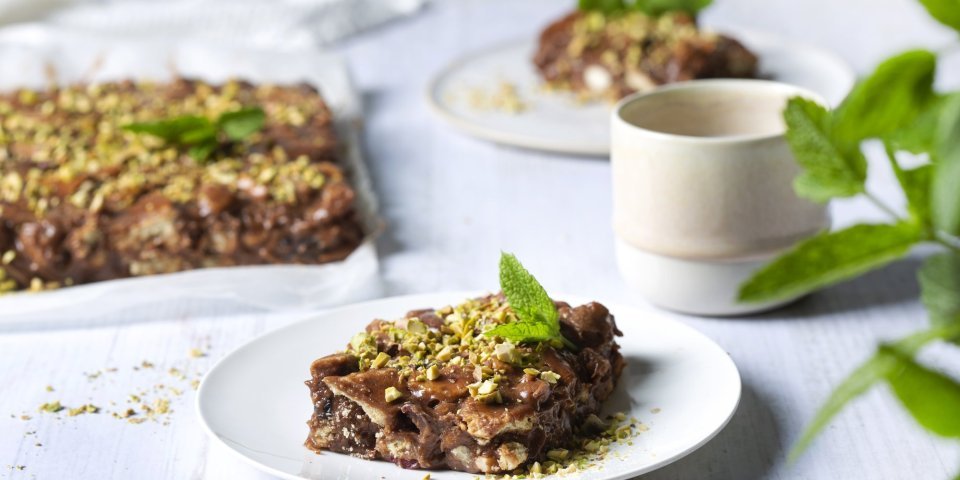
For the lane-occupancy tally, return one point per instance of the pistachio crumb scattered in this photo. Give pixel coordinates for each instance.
(51, 407)
(83, 409)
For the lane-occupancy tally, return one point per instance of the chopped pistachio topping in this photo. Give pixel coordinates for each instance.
(380, 360)
(424, 349)
(591, 443)
(487, 386)
(558, 454)
(549, 377)
(74, 137)
(391, 394)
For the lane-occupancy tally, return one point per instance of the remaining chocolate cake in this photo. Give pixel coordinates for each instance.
(83, 200)
(613, 55)
(432, 391)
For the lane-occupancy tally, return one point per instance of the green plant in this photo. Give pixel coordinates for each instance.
(537, 317)
(897, 106)
(649, 7)
(202, 136)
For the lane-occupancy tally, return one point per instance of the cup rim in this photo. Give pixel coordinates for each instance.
(703, 85)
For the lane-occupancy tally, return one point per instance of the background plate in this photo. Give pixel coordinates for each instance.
(557, 122)
(255, 403)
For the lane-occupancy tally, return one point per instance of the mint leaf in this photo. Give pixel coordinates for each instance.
(930, 396)
(920, 135)
(649, 7)
(862, 379)
(945, 197)
(830, 258)
(201, 152)
(200, 136)
(242, 123)
(660, 7)
(538, 317)
(526, 296)
(524, 332)
(916, 184)
(828, 170)
(940, 288)
(171, 130)
(856, 384)
(603, 6)
(946, 12)
(887, 100)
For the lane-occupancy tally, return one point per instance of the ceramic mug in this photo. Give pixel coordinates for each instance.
(702, 189)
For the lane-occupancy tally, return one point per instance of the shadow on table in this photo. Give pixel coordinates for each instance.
(747, 448)
(891, 285)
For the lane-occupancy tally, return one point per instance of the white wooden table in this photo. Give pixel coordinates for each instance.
(452, 204)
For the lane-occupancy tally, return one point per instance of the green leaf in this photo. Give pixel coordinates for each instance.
(889, 99)
(920, 135)
(523, 332)
(660, 7)
(604, 6)
(940, 288)
(856, 384)
(946, 194)
(859, 382)
(538, 317)
(171, 130)
(916, 184)
(526, 296)
(946, 12)
(930, 396)
(828, 171)
(199, 135)
(830, 258)
(200, 153)
(649, 7)
(242, 123)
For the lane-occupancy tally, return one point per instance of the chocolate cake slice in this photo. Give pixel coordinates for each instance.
(612, 55)
(433, 391)
(82, 199)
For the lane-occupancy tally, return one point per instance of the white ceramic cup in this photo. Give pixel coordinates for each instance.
(702, 188)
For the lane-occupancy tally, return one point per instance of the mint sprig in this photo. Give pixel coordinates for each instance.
(897, 106)
(201, 136)
(649, 7)
(537, 318)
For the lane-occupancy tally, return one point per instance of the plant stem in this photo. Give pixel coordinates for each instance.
(882, 206)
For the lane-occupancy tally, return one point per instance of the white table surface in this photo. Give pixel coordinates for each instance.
(452, 203)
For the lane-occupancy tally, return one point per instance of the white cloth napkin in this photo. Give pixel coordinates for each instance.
(274, 24)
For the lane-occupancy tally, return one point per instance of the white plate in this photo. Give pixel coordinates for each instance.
(255, 403)
(556, 122)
